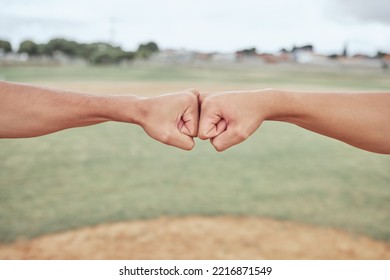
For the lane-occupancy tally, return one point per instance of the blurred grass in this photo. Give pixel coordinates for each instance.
(114, 172)
(272, 75)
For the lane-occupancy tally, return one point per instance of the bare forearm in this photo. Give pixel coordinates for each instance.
(359, 119)
(28, 111)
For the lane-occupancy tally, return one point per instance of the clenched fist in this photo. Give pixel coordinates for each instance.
(228, 118)
(172, 118)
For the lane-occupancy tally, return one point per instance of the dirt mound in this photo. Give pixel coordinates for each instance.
(199, 238)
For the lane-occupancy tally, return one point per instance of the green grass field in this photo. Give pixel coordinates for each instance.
(301, 76)
(114, 172)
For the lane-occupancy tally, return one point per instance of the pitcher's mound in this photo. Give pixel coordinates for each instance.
(199, 238)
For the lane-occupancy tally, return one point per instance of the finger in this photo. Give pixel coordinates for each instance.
(228, 138)
(201, 97)
(211, 120)
(188, 123)
(180, 140)
(208, 124)
(208, 119)
(180, 126)
(185, 142)
(211, 125)
(215, 129)
(194, 92)
(219, 128)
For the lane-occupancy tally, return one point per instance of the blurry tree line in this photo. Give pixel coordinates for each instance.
(96, 53)
(105, 53)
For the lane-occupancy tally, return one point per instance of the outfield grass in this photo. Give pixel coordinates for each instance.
(271, 75)
(114, 172)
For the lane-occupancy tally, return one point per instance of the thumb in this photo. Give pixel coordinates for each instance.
(181, 140)
(211, 121)
(228, 138)
(188, 123)
(211, 126)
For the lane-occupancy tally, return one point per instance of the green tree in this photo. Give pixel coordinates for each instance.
(29, 47)
(96, 53)
(247, 52)
(380, 54)
(5, 46)
(67, 47)
(146, 50)
(103, 53)
(303, 48)
(283, 50)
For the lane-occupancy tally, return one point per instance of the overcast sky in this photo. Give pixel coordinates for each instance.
(204, 25)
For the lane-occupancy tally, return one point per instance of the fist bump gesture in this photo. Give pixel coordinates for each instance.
(226, 118)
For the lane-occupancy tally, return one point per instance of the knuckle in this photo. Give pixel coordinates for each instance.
(166, 137)
(187, 145)
(193, 91)
(206, 103)
(219, 148)
(217, 145)
(240, 135)
(202, 136)
(190, 146)
(190, 98)
(191, 94)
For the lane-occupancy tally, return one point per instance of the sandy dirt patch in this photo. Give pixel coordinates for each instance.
(199, 238)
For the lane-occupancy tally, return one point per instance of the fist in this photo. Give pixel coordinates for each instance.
(172, 118)
(228, 118)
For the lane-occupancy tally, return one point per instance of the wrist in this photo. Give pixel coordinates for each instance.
(281, 105)
(123, 108)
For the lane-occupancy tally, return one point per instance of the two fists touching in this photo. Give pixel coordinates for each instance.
(225, 118)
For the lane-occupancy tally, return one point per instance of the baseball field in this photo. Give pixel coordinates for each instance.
(111, 192)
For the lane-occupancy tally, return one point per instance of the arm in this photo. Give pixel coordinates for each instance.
(359, 119)
(29, 111)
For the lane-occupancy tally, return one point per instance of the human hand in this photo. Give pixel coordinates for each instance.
(228, 118)
(171, 118)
